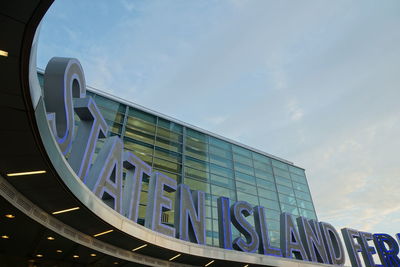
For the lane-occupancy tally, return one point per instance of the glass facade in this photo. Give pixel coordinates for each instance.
(207, 163)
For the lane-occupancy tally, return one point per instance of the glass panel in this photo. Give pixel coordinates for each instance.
(285, 190)
(222, 181)
(242, 159)
(220, 152)
(244, 168)
(288, 208)
(174, 176)
(267, 194)
(196, 173)
(221, 161)
(248, 198)
(221, 170)
(246, 188)
(133, 112)
(114, 127)
(266, 184)
(242, 151)
(305, 204)
(196, 135)
(298, 178)
(296, 170)
(196, 163)
(195, 153)
(142, 211)
(271, 204)
(261, 158)
(287, 199)
(220, 143)
(301, 187)
(172, 126)
(262, 166)
(112, 115)
(169, 135)
(220, 191)
(274, 238)
(198, 145)
(279, 164)
(302, 195)
(283, 181)
(245, 178)
(308, 214)
(208, 212)
(197, 185)
(272, 214)
(138, 146)
(169, 145)
(145, 157)
(167, 165)
(281, 173)
(109, 104)
(168, 155)
(139, 135)
(273, 225)
(143, 126)
(264, 175)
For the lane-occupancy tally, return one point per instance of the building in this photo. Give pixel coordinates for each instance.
(49, 217)
(207, 162)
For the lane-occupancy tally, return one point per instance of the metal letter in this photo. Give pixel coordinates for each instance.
(105, 176)
(290, 239)
(352, 247)
(333, 244)
(224, 223)
(238, 210)
(262, 230)
(63, 80)
(312, 240)
(157, 203)
(388, 253)
(135, 170)
(367, 250)
(190, 215)
(91, 127)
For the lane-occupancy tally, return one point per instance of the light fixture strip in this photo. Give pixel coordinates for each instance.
(174, 257)
(67, 210)
(3, 53)
(25, 173)
(103, 233)
(211, 262)
(142, 246)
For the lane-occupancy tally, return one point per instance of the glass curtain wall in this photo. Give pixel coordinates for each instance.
(212, 165)
(209, 164)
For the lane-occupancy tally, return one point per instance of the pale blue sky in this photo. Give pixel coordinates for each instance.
(314, 82)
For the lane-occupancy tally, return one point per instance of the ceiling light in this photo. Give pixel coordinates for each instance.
(93, 255)
(9, 216)
(75, 256)
(3, 53)
(103, 233)
(115, 262)
(211, 262)
(67, 210)
(246, 265)
(25, 173)
(50, 238)
(142, 246)
(39, 255)
(174, 257)
(59, 251)
(5, 237)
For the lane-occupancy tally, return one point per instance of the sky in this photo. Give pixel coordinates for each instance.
(315, 82)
